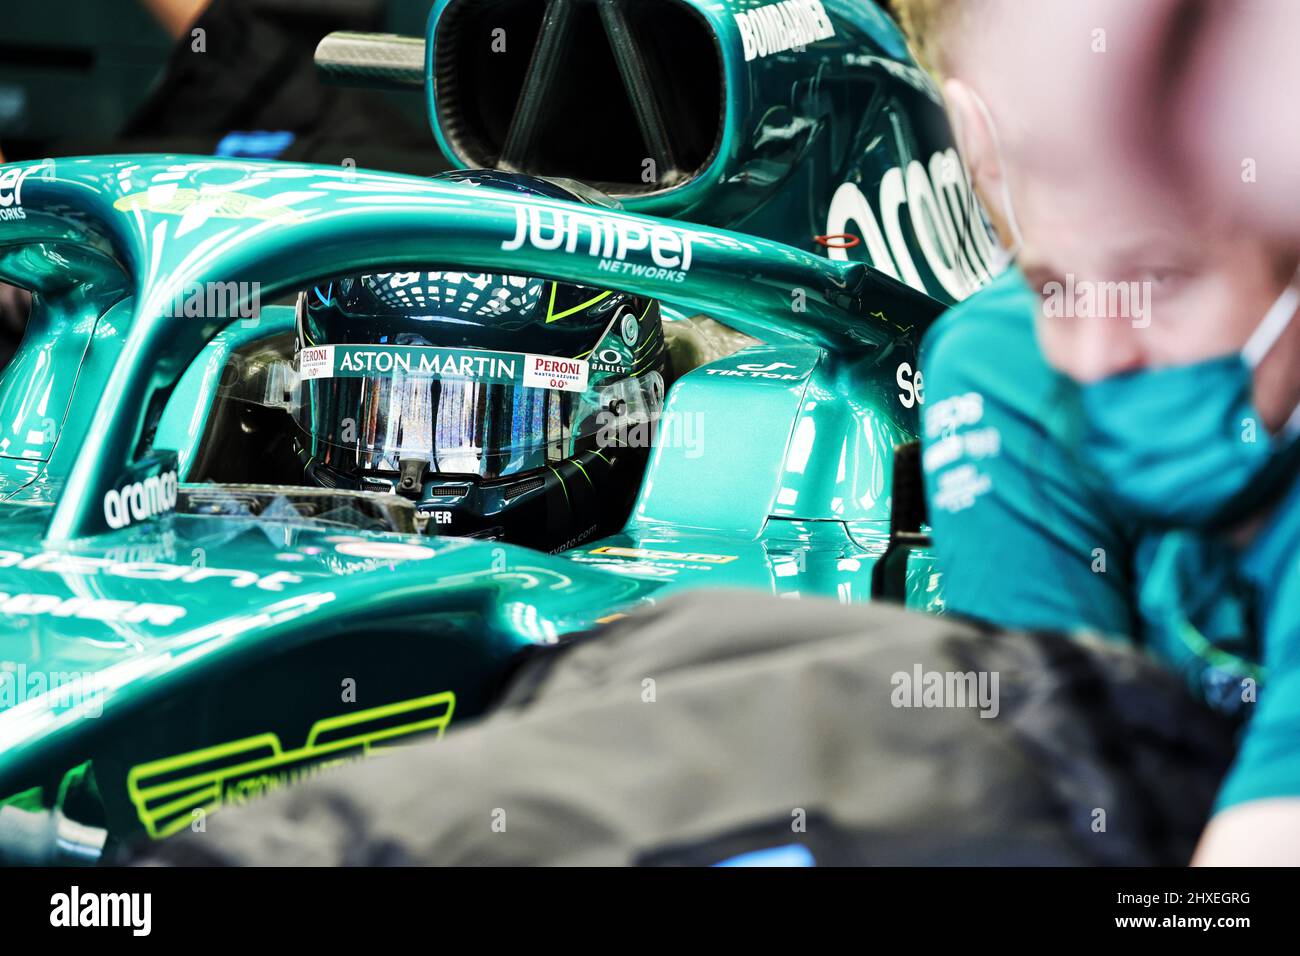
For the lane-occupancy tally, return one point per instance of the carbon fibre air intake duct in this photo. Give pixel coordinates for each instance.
(624, 94)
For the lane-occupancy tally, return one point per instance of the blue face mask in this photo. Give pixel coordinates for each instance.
(1184, 446)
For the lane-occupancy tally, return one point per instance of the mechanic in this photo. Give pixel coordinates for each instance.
(1111, 429)
(506, 407)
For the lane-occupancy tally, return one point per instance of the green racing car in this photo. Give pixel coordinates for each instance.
(220, 571)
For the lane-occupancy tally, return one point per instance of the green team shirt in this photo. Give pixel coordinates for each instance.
(1028, 540)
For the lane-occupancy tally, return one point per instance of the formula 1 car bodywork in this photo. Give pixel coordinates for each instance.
(170, 642)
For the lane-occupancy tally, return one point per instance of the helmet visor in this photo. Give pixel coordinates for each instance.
(464, 411)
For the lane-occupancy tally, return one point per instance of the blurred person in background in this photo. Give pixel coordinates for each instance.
(237, 78)
(240, 81)
(1111, 435)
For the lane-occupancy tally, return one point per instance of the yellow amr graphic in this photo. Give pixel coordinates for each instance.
(166, 792)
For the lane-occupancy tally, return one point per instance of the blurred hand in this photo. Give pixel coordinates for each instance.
(1196, 96)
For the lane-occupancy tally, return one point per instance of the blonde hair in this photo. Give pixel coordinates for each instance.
(928, 24)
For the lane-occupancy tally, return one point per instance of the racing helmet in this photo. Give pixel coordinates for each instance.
(508, 407)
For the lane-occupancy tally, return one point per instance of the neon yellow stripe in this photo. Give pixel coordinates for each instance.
(640, 364)
(652, 338)
(550, 310)
(584, 472)
(562, 486)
